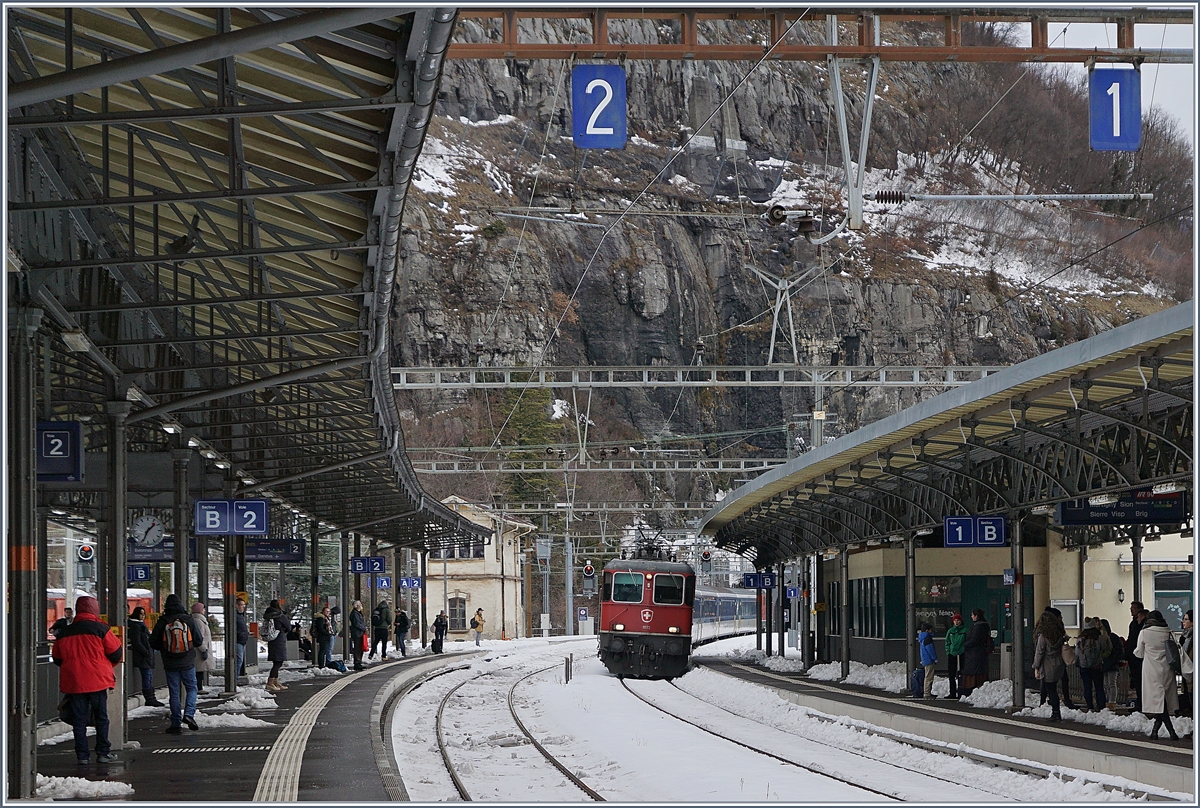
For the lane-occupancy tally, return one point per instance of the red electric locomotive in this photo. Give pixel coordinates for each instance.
(646, 617)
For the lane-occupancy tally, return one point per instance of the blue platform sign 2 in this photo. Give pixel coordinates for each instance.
(250, 517)
(410, 583)
(238, 517)
(59, 451)
(360, 565)
(1115, 109)
(598, 107)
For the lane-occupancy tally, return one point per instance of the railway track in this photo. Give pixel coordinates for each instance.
(821, 772)
(444, 750)
(1021, 767)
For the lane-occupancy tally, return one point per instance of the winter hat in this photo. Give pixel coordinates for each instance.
(957, 617)
(173, 603)
(86, 604)
(197, 608)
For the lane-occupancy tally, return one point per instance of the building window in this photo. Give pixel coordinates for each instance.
(458, 614)
(1173, 596)
(452, 553)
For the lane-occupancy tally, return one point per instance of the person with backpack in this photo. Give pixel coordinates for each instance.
(1090, 653)
(402, 626)
(358, 631)
(477, 623)
(142, 654)
(1048, 664)
(207, 662)
(929, 657)
(86, 652)
(274, 630)
(440, 626)
(1159, 695)
(955, 635)
(381, 626)
(242, 637)
(177, 639)
(976, 647)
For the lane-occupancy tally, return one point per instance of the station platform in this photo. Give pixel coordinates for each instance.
(322, 742)
(1160, 762)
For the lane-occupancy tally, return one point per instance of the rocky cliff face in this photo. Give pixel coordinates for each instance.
(673, 281)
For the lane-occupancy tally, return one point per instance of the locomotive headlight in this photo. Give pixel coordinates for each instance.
(618, 626)
(673, 630)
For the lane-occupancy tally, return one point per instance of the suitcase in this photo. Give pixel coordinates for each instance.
(917, 684)
(435, 645)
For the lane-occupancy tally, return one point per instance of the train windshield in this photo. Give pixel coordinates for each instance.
(627, 587)
(668, 589)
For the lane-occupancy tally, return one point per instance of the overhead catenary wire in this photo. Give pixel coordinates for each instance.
(645, 189)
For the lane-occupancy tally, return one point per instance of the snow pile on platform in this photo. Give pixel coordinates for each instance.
(66, 736)
(1134, 722)
(889, 676)
(77, 788)
(248, 698)
(229, 720)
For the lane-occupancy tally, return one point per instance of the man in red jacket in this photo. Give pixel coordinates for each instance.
(86, 652)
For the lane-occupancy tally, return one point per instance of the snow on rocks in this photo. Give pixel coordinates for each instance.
(77, 788)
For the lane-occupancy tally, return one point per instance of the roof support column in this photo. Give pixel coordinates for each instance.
(1018, 609)
(804, 605)
(782, 605)
(910, 602)
(114, 558)
(1137, 565)
(845, 619)
(181, 457)
(344, 590)
(22, 556)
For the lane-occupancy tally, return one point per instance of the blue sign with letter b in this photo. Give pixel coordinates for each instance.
(1115, 109)
(598, 109)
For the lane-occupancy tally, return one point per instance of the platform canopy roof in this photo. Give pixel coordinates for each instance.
(1105, 415)
(205, 206)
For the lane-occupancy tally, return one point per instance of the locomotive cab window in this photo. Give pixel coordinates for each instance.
(668, 589)
(627, 587)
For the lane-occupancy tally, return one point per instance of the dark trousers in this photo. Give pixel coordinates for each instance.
(1135, 681)
(1093, 679)
(90, 708)
(952, 663)
(1065, 684)
(381, 636)
(147, 679)
(356, 649)
(275, 666)
(1050, 691)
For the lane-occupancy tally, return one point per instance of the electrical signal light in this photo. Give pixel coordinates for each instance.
(588, 570)
(86, 552)
(706, 556)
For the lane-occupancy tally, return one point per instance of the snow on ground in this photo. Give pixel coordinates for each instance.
(77, 788)
(890, 677)
(629, 752)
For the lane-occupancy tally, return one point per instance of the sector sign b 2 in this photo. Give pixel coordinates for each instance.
(223, 517)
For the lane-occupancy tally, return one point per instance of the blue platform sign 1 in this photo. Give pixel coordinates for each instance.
(59, 451)
(751, 580)
(137, 573)
(598, 107)
(287, 551)
(793, 592)
(212, 517)
(959, 531)
(1115, 109)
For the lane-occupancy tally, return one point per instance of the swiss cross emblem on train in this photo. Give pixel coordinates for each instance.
(647, 615)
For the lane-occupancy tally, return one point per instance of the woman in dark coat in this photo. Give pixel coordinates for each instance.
(276, 647)
(142, 655)
(358, 630)
(975, 653)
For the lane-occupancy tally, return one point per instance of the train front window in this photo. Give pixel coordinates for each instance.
(668, 589)
(627, 587)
